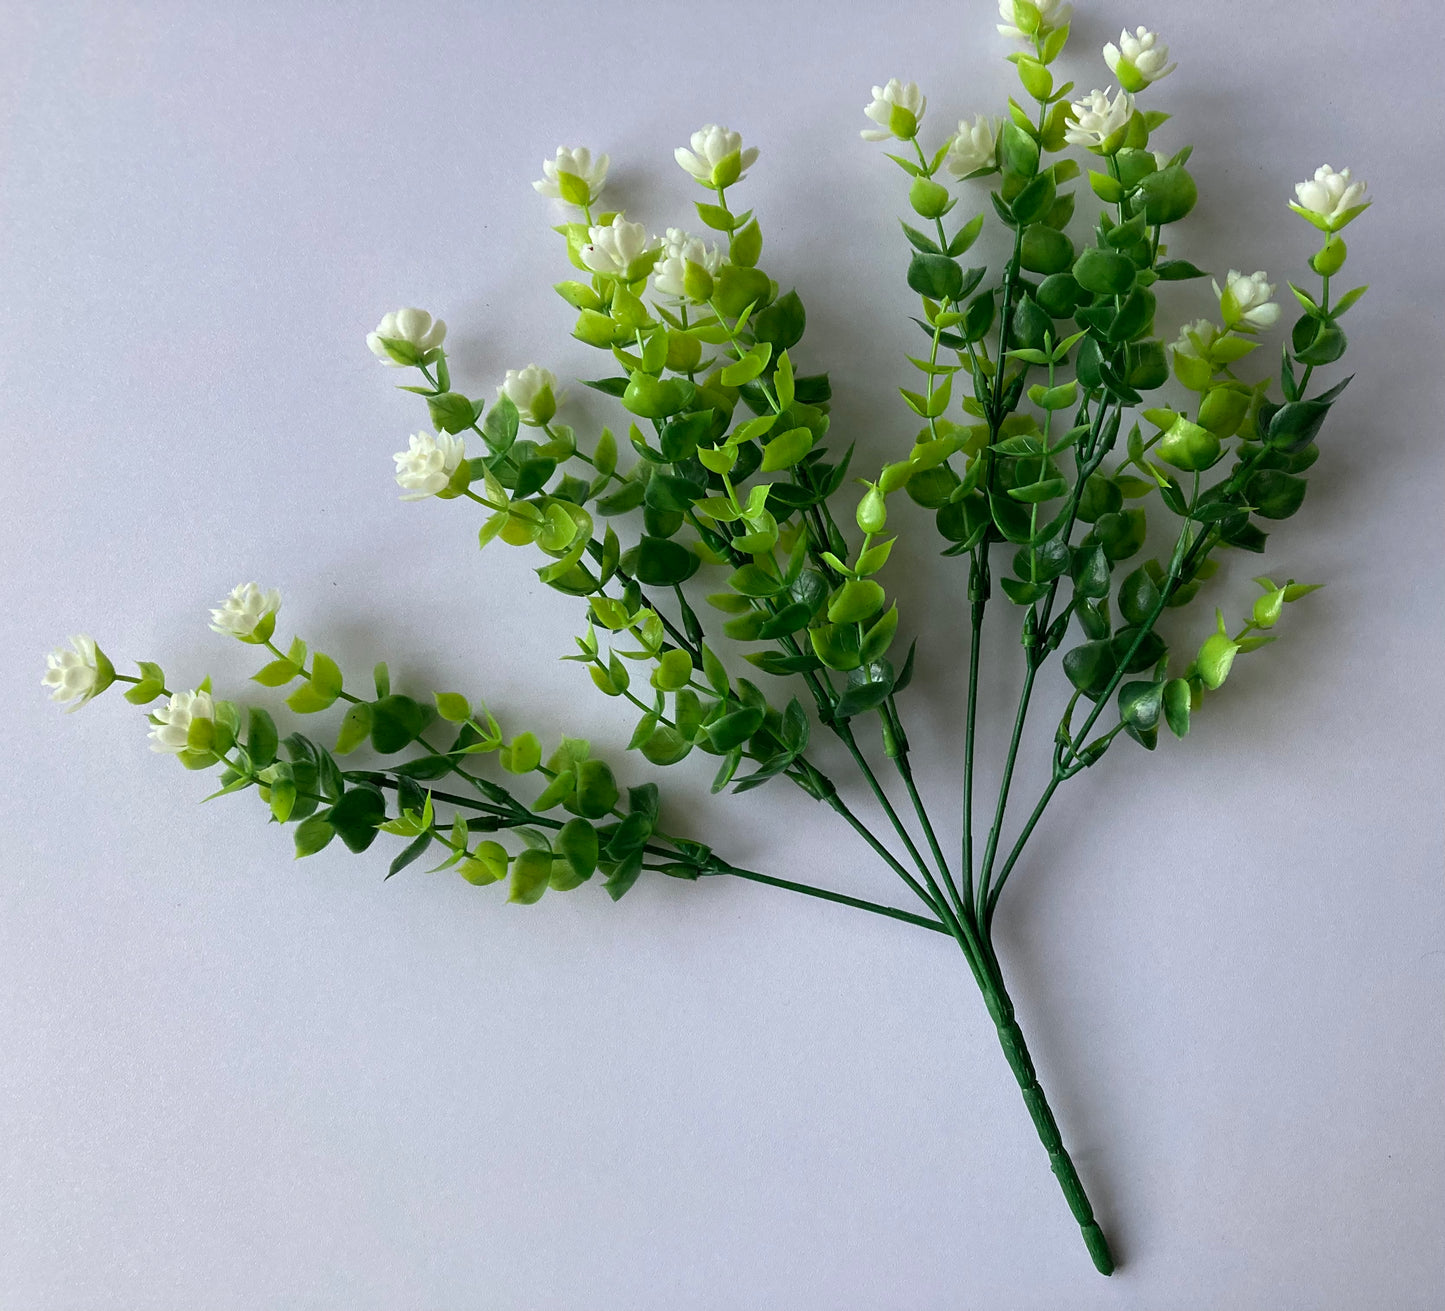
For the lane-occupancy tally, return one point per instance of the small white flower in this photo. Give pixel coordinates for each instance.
(426, 467)
(248, 613)
(1096, 118)
(974, 147)
(1195, 339)
(1245, 300)
(1052, 14)
(679, 249)
(1330, 195)
(1139, 59)
(404, 336)
(897, 109)
(614, 248)
(77, 675)
(574, 176)
(533, 391)
(171, 724)
(712, 147)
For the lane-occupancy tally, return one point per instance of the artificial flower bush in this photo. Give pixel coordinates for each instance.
(1088, 461)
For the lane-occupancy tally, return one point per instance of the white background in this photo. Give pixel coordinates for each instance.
(230, 1080)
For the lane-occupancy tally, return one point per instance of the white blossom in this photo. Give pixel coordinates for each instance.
(574, 176)
(248, 613)
(680, 248)
(1330, 195)
(426, 467)
(533, 391)
(711, 146)
(404, 336)
(1246, 301)
(1138, 59)
(79, 674)
(974, 147)
(1052, 14)
(897, 109)
(1096, 118)
(613, 248)
(1195, 339)
(171, 724)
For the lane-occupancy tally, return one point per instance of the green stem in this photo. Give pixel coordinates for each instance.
(823, 894)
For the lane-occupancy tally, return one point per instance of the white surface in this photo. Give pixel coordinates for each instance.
(229, 1080)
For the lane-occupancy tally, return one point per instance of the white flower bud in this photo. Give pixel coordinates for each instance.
(712, 150)
(679, 249)
(897, 109)
(1195, 339)
(1139, 59)
(974, 148)
(404, 336)
(1245, 301)
(426, 467)
(171, 724)
(248, 613)
(614, 248)
(533, 391)
(574, 176)
(1096, 118)
(1038, 18)
(78, 675)
(1329, 197)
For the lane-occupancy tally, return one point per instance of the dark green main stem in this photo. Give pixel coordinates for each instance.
(1011, 1039)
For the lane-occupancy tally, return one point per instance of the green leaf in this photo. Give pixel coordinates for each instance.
(261, 738)
(357, 814)
(312, 835)
(531, 873)
(785, 450)
(321, 690)
(1104, 272)
(734, 729)
(576, 843)
(746, 246)
(414, 851)
(1139, 707)
(521, 755)
(624, 874)
(1045, 249)
(660, 562)
(935, 276)
(1177, 706)
(395, 723)
(277, 673)
(855, 601)
(596, 789)
(1168, 195)
(1089, 667)
(1138, 595)
(1273, 494)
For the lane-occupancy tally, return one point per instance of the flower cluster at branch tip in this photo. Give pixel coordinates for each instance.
(1334, 199)
(426, 467)
(1027, 19)
(614, 249)
(171, 724)
(717, 157)
(404, 336)
(1096, 118)
(897, 109)
(1245, 301)
(1139, 59)
(78, 675)
(680, 249)
(248, 613)
(975, 148)
(574, 176)
(533, 390)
